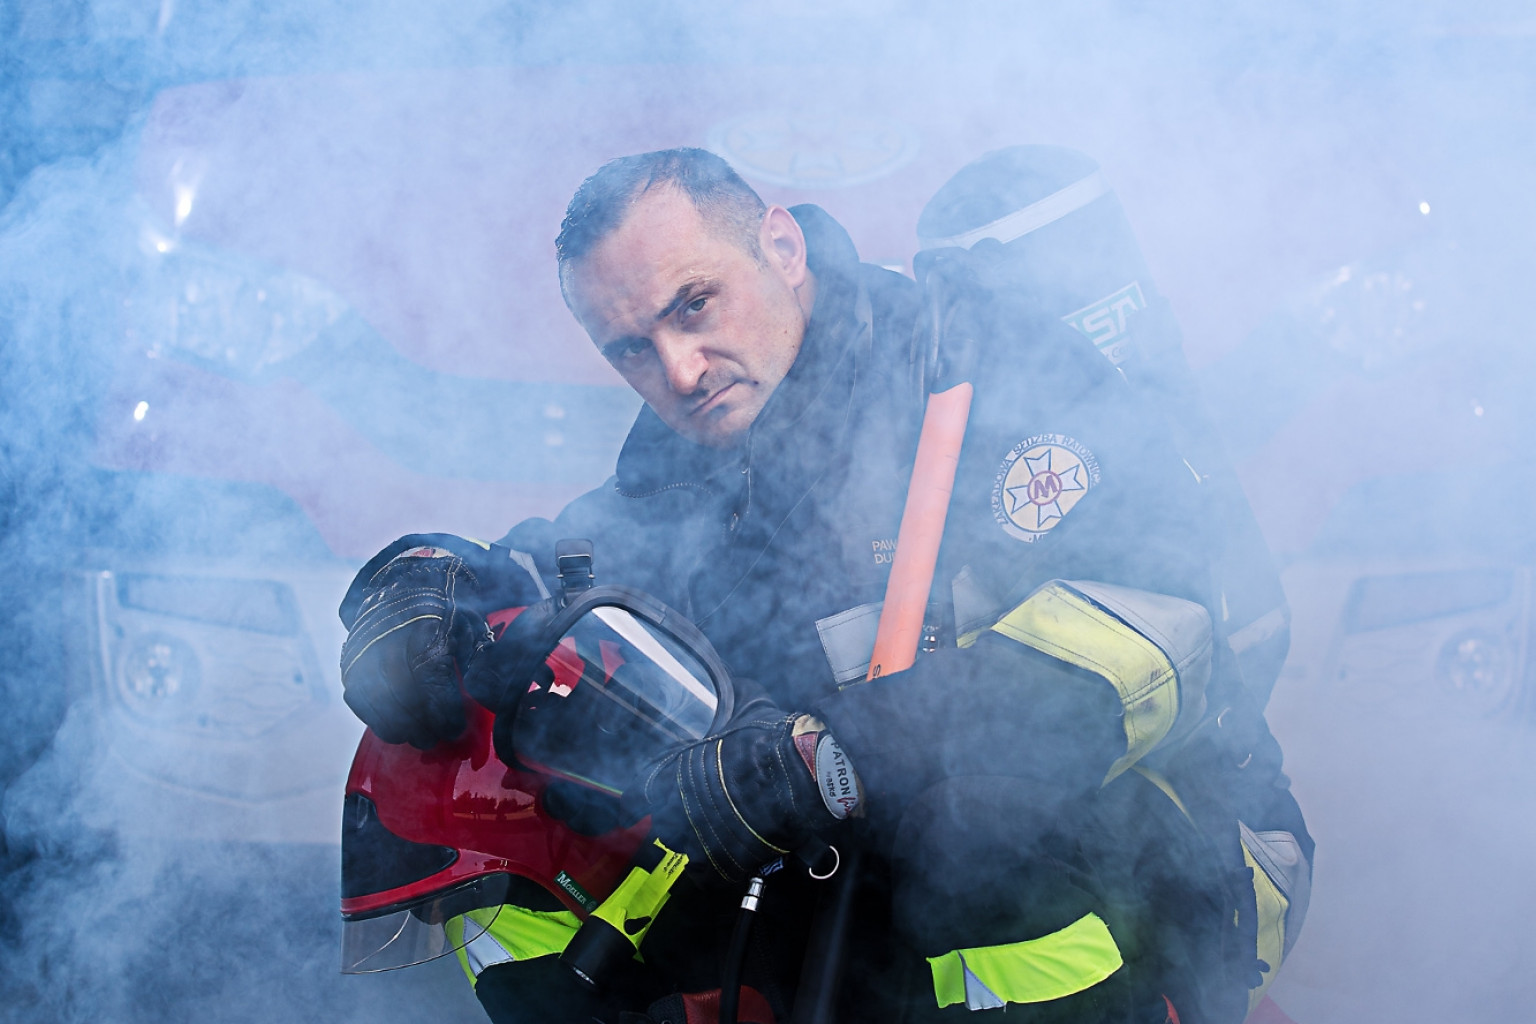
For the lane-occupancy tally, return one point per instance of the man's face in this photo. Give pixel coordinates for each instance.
(701, 328)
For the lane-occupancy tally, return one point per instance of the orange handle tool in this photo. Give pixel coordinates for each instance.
(922, 528)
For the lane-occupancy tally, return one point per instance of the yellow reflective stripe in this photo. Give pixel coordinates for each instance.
(1069, 627)
(532, 933)
(1034, 971)
(1272, 906)
(522, 934)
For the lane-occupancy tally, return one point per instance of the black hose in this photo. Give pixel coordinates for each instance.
(735, 958)
(827, 948)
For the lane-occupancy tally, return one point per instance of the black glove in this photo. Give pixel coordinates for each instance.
(750, 794)
(410, 621)
(501, 672)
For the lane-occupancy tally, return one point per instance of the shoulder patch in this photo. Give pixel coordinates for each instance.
(1042, 478)
(1104, 322)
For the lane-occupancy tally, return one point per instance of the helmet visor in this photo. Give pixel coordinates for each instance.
(424, 930)
(625, 686)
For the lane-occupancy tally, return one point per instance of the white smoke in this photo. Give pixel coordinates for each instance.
(1334, 196)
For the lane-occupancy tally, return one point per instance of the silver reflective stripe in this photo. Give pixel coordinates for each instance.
(1279, 854)
(1181, 630)
(974, 607)
(525, 560)
(977, 995)
(484, 951)
(848, 639)
(1033, 217)
(1259, 630)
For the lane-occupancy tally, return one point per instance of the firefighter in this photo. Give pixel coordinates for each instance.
(1071, 805)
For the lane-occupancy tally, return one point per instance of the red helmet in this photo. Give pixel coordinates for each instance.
(429, 835)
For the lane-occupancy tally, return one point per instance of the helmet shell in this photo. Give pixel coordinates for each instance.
(421, 822)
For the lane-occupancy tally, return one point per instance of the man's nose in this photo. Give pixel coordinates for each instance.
(684, 362)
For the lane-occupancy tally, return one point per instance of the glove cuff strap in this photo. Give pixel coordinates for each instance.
(829, 765)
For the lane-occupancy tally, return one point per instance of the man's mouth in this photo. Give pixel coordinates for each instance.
(713, 401)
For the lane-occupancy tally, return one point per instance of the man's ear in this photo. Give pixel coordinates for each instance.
(783, 245)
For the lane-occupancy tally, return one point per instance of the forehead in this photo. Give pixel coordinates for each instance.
(634, 273)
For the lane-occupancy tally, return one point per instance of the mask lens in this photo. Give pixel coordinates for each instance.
(623, 692)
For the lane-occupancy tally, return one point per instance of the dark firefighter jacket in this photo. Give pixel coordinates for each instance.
(985, 765)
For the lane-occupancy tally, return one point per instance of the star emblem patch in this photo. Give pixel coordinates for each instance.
(1041, 479)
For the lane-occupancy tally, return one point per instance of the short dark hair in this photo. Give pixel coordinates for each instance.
(603, 200)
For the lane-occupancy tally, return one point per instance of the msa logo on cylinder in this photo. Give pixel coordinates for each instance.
(1103, 322)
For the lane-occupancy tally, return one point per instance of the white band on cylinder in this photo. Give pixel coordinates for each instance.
(1033, 217)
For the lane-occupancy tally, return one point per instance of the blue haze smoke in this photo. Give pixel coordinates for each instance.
(276, 286)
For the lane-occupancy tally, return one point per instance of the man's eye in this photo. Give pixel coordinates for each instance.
(627, 350)
(697, 305)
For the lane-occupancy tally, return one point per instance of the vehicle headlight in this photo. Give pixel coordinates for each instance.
(209, 683)
(205, 655)
(157, 677)
(1478, 667)
(1440, 633)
